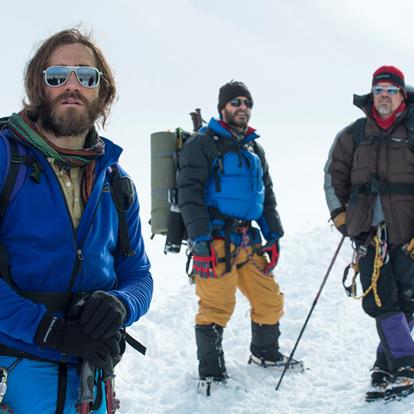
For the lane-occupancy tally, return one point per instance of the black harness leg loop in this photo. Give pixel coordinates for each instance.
(227, 240)
(61, 388)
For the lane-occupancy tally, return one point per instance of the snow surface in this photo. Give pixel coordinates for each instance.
(302, 60)
(338, 346)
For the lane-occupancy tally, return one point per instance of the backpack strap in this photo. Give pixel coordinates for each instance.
(409, 123)
(123, 193)
(15, 160)
(358, 131)
(17, 156)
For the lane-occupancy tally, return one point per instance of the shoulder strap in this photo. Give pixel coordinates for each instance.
(409, 123)
(123, 193)
(15, 161)
(358, 131)
(4, 202)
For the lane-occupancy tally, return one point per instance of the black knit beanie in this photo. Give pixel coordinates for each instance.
(231, 90)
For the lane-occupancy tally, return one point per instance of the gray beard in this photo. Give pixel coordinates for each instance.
(384, 108)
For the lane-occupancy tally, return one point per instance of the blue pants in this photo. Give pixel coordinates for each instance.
(32, 387)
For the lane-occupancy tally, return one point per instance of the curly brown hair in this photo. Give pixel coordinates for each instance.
(33, 79)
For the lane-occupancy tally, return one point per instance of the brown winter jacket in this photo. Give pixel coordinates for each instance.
(384, 159)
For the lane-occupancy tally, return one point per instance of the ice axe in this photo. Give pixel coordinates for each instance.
(112, 403)
(87, 380)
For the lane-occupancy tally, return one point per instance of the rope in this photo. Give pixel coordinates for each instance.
(378, 263)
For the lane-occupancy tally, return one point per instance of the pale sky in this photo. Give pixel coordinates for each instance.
(302, 61)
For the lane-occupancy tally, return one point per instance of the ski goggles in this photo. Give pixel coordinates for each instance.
(236, 102)
(390, 90)
(87, 76)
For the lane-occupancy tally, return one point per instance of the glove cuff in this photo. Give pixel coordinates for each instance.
(340, 219)
(202, 248)
(47, 330)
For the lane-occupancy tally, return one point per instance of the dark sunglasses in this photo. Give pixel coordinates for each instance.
(87, 76)
(236, 102)
(391, 90)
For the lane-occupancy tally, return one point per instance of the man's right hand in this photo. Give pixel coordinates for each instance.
(204, 260)
(340, 223)
(69, 338)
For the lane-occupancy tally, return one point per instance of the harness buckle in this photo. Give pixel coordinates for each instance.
(362, 251)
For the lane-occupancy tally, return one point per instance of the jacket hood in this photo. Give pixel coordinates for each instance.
(364, 102)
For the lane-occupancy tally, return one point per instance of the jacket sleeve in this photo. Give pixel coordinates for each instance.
(337, 179)
(269, 222)
(195, 161)
(134, 280)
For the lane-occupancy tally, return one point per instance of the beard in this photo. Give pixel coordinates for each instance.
(384, 107)
(71, 121)
(235, 120)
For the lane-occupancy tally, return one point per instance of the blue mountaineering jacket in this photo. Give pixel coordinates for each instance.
(220, 178)
(45, 251)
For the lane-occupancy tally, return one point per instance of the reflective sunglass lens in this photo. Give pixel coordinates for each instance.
(87, 76)
(56, 75)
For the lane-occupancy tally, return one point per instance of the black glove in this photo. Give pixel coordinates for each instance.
(272, 248)
(204, 260)
(102, 315)
(69, 338)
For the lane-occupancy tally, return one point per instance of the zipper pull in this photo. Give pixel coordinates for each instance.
(79, 254)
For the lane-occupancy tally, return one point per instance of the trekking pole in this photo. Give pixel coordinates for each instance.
(311, 310)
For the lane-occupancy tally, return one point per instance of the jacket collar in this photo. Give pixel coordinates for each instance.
(218, 127)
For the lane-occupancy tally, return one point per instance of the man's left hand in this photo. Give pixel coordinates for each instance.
(272, 249)
(102, 315)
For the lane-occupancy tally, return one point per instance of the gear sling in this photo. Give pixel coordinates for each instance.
(123, 195)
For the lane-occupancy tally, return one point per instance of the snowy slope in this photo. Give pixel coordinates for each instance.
(337, 347)
(303, 60)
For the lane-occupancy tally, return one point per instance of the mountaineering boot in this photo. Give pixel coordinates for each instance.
(264, 349)
(402, 384)
(278, 365)
(211, 367)
(380, 379)
(208, 385)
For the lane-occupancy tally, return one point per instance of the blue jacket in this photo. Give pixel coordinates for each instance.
(221, 177)
(240, 191)
(44, 249)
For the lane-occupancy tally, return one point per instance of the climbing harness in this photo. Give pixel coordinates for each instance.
(378, 238)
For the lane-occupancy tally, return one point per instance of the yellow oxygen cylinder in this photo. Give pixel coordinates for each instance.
(163, 178)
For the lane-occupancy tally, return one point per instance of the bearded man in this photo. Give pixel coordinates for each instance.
(369, 187)
(68, 285)
(224, 185)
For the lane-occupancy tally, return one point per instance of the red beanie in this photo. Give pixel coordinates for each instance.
(389, 74)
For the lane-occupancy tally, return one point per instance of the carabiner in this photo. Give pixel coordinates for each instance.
(3, 383)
